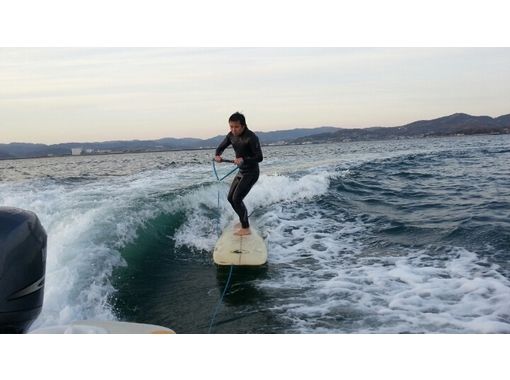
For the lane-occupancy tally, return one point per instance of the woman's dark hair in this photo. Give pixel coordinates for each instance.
(238, 117)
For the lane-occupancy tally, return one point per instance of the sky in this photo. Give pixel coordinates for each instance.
(52, 95)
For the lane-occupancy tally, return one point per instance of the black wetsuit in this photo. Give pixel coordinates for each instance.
(247, 147)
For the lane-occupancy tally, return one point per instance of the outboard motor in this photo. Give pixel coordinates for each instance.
(22, 269)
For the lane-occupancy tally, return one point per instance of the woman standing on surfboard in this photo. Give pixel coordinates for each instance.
(248, 155)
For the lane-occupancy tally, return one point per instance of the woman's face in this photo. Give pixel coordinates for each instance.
(236, 128)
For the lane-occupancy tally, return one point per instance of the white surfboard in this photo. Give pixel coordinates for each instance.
(231, 249)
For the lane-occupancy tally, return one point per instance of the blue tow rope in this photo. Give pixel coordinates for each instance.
(216, 309)
(221, 299)
(226, 175)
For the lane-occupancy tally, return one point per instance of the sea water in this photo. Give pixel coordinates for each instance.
(402, 236)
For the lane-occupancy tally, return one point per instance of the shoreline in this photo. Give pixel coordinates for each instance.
(264, 145)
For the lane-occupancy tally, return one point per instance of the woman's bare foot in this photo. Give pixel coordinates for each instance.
(243, 232)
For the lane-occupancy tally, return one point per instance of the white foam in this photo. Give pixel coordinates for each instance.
(200, 231)
(461, 293)
(87, 224)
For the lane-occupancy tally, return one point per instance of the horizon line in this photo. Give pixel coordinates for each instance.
(208, 138)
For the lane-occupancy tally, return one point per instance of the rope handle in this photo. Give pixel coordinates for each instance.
(226, 175)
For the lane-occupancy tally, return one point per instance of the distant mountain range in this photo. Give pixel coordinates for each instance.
(458, 124)
(26, 150)
(453, 125)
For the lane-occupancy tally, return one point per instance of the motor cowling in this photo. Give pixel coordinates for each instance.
(22, 269)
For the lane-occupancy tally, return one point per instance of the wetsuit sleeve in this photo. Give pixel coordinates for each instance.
(224, 144)
(257, 152)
